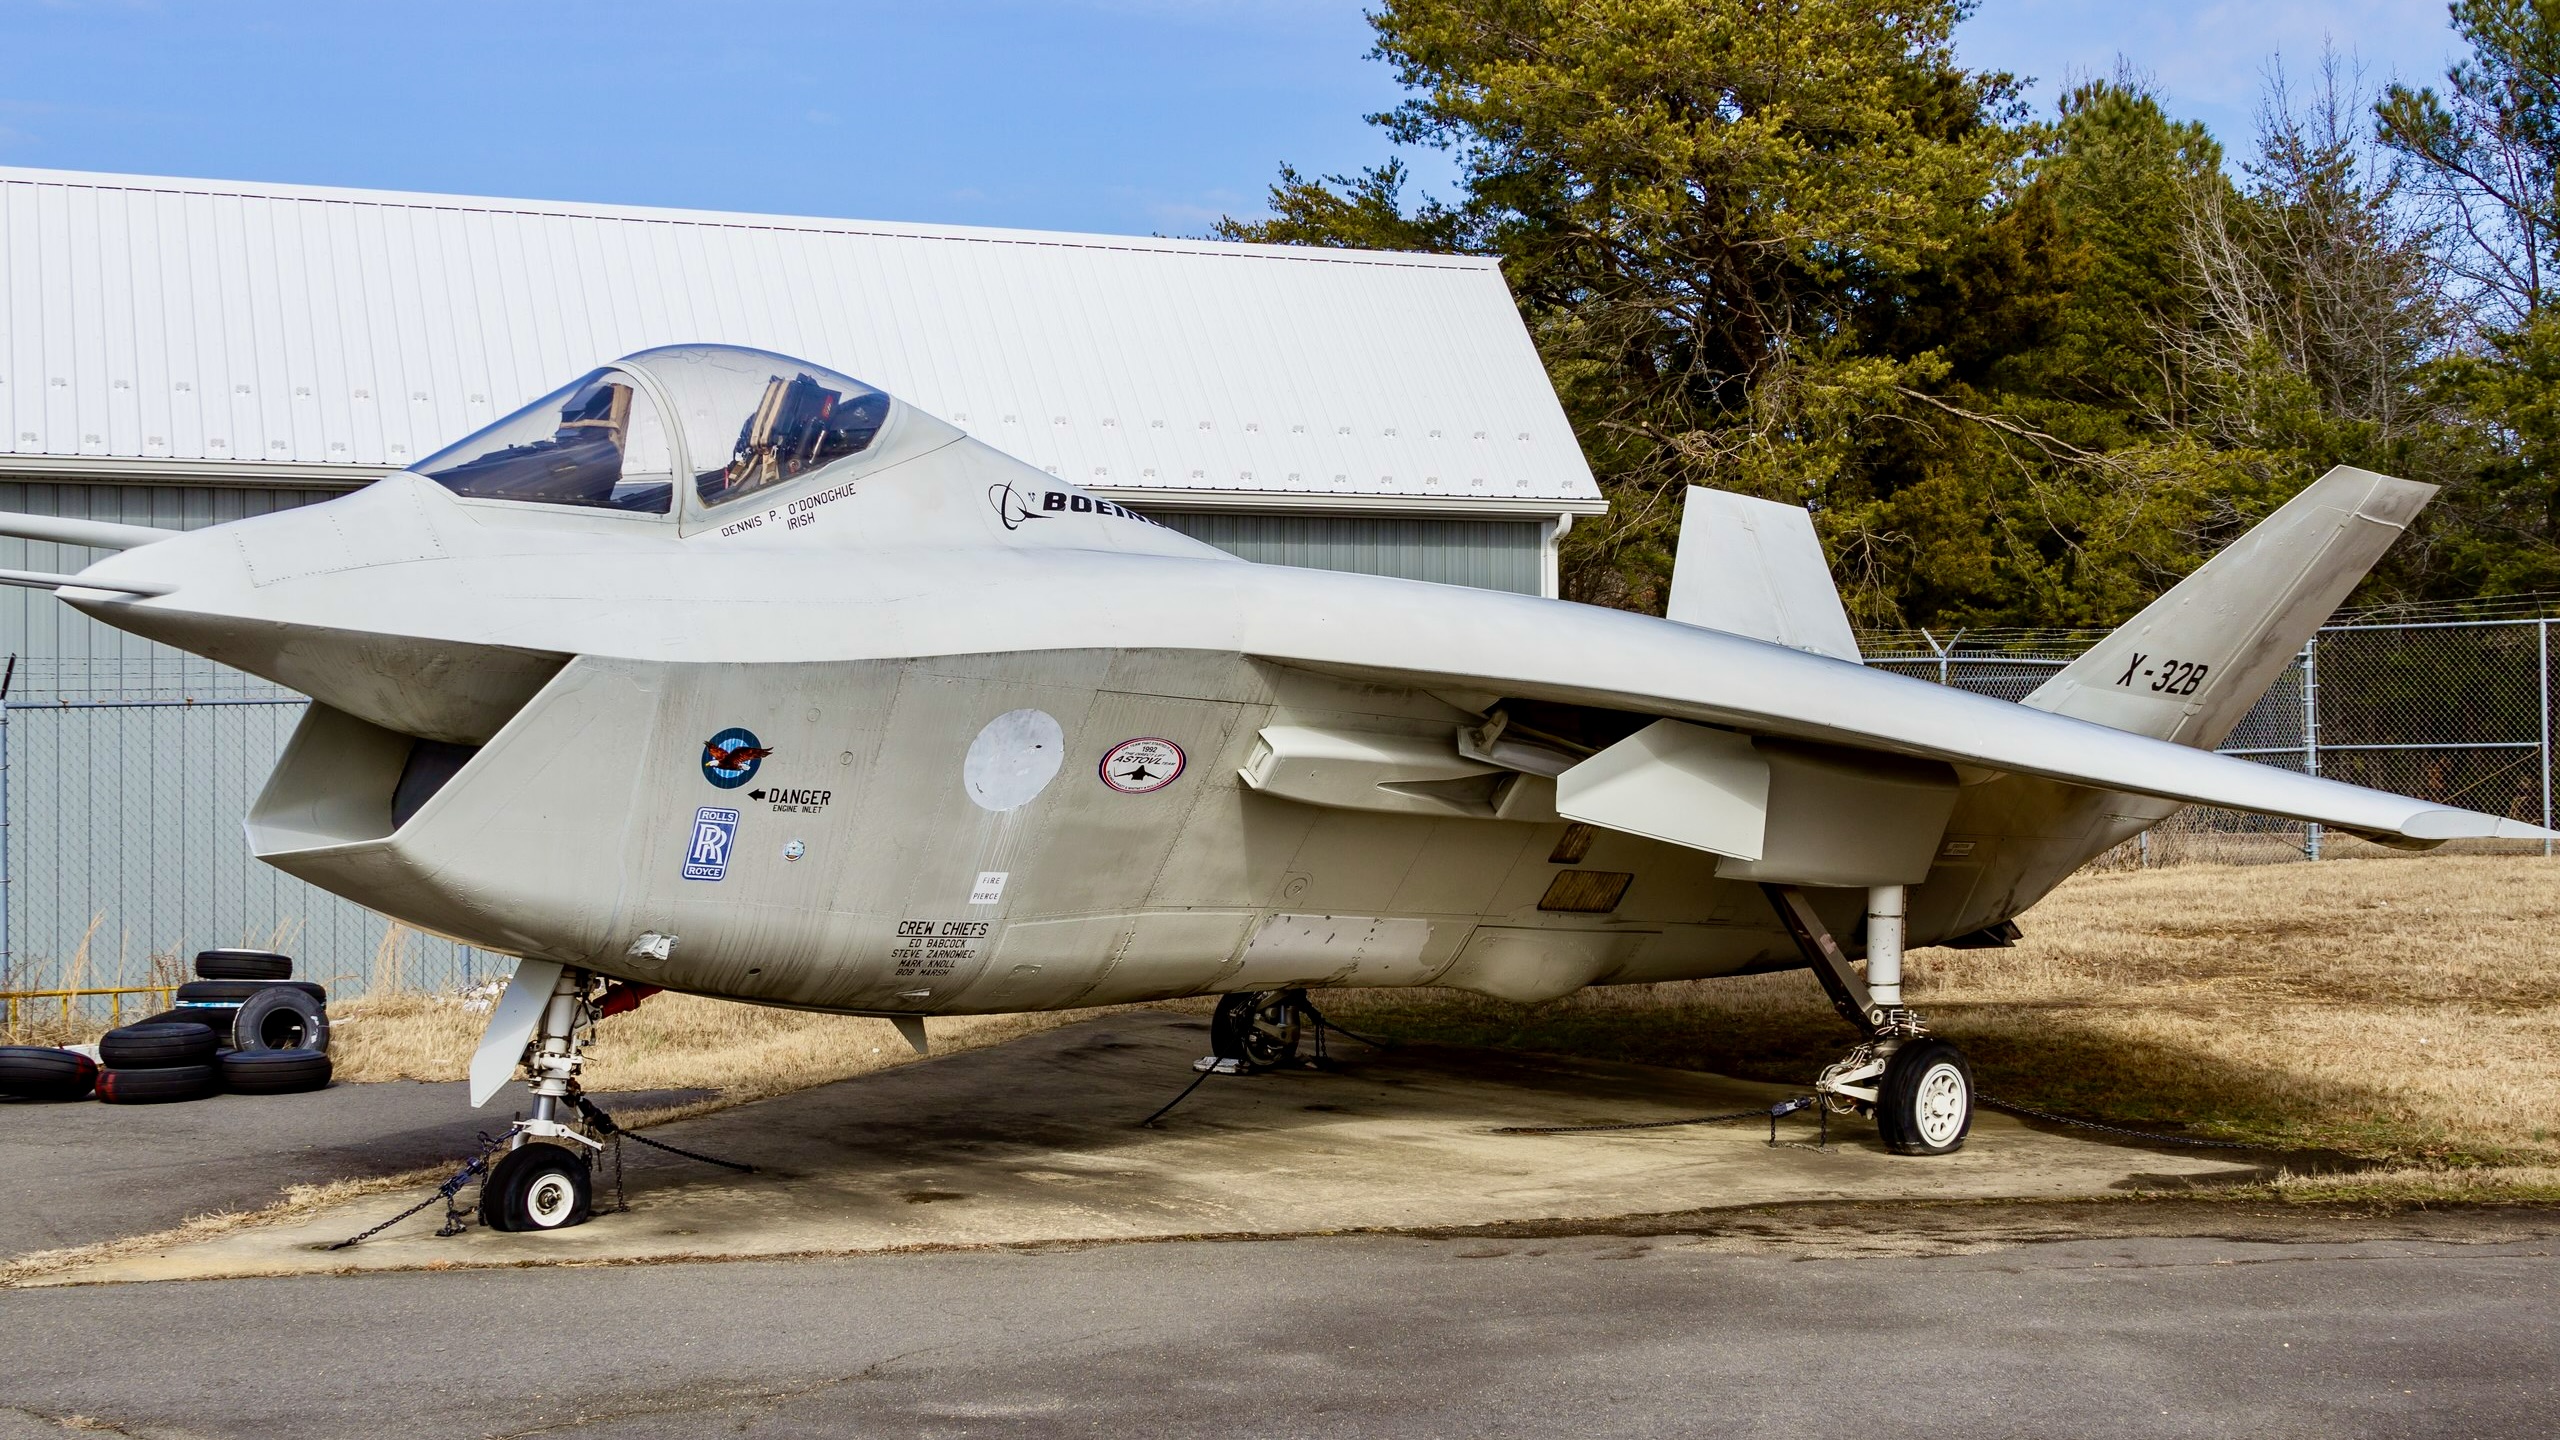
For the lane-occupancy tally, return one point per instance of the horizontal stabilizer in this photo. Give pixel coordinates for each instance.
(1755, 568)
(96, 534)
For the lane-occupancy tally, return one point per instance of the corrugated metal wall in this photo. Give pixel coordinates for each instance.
(185, 319)
(63, 653)
(131, 766)
(1489, 554)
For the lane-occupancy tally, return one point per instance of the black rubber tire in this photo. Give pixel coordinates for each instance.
(234, 991)
(216, 1017)
(157, 1085)
(1925, 1099)
(243, 965)
(157, 1046)
(274, 1072)
(40, 1072)
(280, 1017)
(1259, 1028)
(537, 1187)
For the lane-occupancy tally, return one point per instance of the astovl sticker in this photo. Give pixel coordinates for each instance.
(1142, 766)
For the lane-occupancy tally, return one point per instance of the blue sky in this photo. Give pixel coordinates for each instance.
(1111, 115)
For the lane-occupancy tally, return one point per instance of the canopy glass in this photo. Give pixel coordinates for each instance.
(748, 420)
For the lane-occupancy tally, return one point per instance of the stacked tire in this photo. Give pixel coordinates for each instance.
(156, 1062)
(263, 1033)
(40, 1072)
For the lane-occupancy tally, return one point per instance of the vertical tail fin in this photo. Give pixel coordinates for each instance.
(2190, 666)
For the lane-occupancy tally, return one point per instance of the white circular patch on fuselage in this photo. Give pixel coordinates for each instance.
(1013, 759)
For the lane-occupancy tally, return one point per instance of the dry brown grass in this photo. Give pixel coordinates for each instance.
(672, 1042)
(2398, 1010)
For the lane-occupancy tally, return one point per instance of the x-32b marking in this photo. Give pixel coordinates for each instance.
(2167, 677)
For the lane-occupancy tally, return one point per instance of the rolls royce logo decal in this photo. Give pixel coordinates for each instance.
(715, 834)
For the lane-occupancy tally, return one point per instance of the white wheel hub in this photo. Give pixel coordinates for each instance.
(548, 1199)
(1940, 1105)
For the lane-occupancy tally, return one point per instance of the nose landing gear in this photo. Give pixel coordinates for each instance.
(542, 1179)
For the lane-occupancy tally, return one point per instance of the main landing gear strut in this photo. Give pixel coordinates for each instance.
(1257, 1030)
(1916, 1086)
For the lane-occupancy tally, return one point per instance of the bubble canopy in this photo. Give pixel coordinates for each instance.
(735, 420)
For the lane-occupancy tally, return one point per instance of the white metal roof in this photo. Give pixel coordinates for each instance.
(167, 325)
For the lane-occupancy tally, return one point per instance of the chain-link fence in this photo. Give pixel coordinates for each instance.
(123, 785)
(2454, 709)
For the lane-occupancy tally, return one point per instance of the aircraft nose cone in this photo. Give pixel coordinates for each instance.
(192, 560)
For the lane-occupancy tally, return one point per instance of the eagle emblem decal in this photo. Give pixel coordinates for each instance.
(730, 758)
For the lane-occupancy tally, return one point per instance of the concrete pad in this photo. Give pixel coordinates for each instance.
(1037, 1142)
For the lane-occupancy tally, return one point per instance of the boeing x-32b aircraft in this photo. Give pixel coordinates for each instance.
(720, 671)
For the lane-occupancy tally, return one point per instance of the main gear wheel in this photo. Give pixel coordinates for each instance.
(1259, 1029)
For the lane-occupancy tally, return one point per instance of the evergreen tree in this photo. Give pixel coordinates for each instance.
(1694, 201)
(2025, 372)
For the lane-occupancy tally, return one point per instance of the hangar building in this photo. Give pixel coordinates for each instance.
(180, 352)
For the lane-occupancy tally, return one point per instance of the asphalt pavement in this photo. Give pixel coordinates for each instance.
(79, 1173)
(1383, 1336)
(1945, 1316)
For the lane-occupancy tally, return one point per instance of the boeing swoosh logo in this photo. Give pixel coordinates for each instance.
(1012, 506)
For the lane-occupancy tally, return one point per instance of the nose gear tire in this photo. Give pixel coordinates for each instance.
(1924, 1100)
(540, 1186)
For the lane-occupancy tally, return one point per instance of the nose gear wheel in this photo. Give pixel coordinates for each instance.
(535, 1187)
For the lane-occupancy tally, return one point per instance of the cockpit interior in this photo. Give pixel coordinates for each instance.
(745, 421)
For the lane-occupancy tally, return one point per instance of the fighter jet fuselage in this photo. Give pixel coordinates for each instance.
(721, 672)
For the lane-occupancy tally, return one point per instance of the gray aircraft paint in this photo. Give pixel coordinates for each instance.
(888, 627)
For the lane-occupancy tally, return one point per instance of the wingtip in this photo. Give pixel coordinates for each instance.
(2451, 824)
